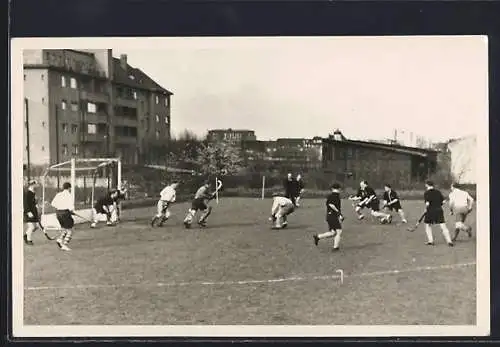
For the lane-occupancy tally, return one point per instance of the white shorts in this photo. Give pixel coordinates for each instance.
(162, 207)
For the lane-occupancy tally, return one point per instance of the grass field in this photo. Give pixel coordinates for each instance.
(238, 271)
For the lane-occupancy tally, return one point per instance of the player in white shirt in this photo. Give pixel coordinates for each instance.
(281, 208)
(461, 204)
(64, 205)
(167, 197)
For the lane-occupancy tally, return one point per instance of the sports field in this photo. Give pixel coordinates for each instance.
(239, 271)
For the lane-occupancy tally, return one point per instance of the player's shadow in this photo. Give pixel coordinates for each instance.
(230, 225)
(363, 246)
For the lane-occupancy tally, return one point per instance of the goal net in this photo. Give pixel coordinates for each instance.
(90, 179)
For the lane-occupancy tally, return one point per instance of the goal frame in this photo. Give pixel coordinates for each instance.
(103, 162)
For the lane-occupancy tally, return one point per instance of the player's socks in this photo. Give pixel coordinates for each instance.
(446, 233)
(326, 235)
(428, 232)
(67, 237)
(457, 231)
(336, 239)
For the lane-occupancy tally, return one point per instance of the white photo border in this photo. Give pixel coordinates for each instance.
(19, 330)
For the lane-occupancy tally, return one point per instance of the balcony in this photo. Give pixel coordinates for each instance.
(99, 117)
(129, 140)
(100, 137)
(127, 102)
(94, 97)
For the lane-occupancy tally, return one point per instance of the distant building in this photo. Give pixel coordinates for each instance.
(233, 136)
(463, 153)
(284, 153)
(86, 103)
(349, 160)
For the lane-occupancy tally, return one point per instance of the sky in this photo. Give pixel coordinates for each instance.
(435, 87)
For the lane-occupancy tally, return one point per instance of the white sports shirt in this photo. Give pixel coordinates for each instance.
(63, 201)
(168, 194)
(280, 201)
(460, 199)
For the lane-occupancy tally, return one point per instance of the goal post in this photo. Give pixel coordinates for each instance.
(77, 171)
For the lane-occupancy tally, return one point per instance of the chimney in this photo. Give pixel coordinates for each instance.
(337, 135)
(123, 61)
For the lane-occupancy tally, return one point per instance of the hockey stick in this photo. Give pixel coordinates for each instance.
(50, 238)
(413, 228)
(85, 219)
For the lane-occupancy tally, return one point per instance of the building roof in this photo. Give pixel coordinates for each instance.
(140, 79)
(231, 130)
(422, 152)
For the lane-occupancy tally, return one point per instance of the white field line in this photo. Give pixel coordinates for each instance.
(264, 281)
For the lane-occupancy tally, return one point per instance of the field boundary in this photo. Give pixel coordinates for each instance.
(263, 281)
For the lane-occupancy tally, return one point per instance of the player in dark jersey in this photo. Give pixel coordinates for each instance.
(300, 189)
(200, 203)
(367, 198)
(31, 217)
(334, 218)
(106, 205)
(434, 213)
(392, 202)
(290, 186)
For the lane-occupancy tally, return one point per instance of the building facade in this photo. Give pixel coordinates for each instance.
(87, 103)
(232, 136)
(284, 154)
(463, 154)
(351, 161)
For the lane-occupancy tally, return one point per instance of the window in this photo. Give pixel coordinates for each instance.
(166, 101)
(74, 128)
(157, 119)
(43, 101)
(91, 129)
(157, 134)
(75, 149)
(166, 120)
(63, 104)
(63, 81)
(64, 127)
(43, 124)
(65, 149)
(42, 77)
(157, 99)
(74, 106)
(135, 95)
(131, 77)
(43, 148)
(91, 107)
(25, 77)
(72, 83)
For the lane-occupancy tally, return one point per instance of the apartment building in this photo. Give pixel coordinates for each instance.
(87, 103)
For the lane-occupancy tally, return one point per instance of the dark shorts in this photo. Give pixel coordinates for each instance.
(33, 219)
(333, 221)
(374, 205)
(100, 209)
(199, 204)
(65, 219)
(394, 207)
(434, 216)
(461, 214)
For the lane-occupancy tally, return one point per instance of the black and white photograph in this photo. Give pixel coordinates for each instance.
(250, 186)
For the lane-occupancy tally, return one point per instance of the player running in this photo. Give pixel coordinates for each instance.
(107, 205)
(291, 188)
(300, 189)
(334, 218)
(31, 217)
(461, 204)
(368, 199)
(167, 197)
(391, 202)
(200, 203)
(281, 208)
(64, 205)
(434, 213)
